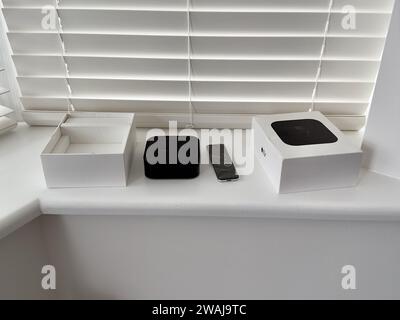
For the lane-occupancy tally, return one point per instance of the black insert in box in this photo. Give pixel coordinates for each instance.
(172, 157)
(303, 132)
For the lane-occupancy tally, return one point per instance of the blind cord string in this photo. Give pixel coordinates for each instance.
(323, 47)
(191, 109)
(70, 108)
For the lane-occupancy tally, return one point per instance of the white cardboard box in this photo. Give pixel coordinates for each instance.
(90, 150)
(300, 155)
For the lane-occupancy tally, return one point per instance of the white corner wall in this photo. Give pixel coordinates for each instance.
(133, 257)
(22, 256)
(381, 142)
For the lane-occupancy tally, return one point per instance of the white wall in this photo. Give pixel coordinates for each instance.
(383, 130)
(213, 258)
(22, 256)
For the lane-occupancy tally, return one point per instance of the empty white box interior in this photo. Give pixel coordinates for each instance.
(90, 150)
(307, 167)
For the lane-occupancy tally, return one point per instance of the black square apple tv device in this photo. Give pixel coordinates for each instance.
(172, 157)
(303, 132)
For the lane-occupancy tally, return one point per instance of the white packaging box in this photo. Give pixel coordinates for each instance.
(329, 161)
(90, 150)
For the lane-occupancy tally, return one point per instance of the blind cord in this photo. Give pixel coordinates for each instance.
(191, 109)
(318, 75)
(59, 31)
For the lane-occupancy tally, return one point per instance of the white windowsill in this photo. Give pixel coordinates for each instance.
(21, 178)
(23, 194)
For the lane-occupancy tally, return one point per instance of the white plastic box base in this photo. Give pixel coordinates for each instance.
(90, 150)
(306, 167)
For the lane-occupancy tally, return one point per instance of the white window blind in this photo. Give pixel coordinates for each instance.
(7, 121)
(3, 86)
(229, 59)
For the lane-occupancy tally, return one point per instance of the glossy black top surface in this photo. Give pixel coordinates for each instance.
(303, 132)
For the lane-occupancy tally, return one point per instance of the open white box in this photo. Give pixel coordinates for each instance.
(90, 150)
(299, 166)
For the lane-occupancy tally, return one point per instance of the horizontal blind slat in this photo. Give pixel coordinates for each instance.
(100, 67)
(347, 123)
(202, 70)
(100, 45)
(205, 106)
(202, 23)
(33, 86)
(99, 21)
(381, 5)
(225, 48)
(211, 5)
(284, 90)
(100, 4)
(217, 90)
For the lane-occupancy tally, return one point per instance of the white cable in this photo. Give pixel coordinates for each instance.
(328, 21)
(191, 109)
(59, 31)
